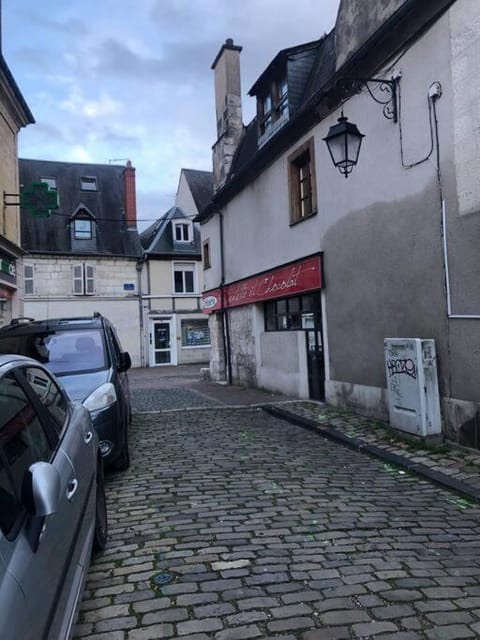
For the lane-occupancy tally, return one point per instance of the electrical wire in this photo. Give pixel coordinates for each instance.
(410, 165)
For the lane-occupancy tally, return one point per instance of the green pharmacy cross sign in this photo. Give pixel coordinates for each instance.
(39, 199)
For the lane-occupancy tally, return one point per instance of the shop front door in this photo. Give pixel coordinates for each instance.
(162, 343)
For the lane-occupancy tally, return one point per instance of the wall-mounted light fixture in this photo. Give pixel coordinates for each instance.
(343, 142)
(344, 139)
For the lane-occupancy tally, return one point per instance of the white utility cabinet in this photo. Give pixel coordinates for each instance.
(412, 385)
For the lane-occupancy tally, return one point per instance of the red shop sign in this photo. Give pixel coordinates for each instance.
(294, 278)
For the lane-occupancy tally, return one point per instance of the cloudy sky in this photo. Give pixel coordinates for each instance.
(115, 80)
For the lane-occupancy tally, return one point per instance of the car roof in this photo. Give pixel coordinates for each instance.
(26, 326)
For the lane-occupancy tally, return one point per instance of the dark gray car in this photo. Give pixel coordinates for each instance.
(52, 502)
(85, 354)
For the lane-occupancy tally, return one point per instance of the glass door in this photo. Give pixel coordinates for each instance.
(162, 343)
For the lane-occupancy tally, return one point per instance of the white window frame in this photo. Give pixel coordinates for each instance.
(29, 278)
(52, 182)
(78, 234)
(185, 267)
(88, 183)
(184, 226)
(83, 279)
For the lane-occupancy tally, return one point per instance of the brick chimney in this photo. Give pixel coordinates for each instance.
(228, 106)
(130, 195)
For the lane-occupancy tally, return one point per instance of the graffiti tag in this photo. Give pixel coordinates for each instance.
(398, 367)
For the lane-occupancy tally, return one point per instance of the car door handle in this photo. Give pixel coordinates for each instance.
(88, 437)
(71, 488)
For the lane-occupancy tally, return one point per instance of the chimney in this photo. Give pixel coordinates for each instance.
(130, 195)
(228, 107)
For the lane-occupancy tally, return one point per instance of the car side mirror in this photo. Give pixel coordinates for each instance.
(41, 489)
(125, 361)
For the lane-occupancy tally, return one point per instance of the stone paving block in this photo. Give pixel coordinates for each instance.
(373, 629)
(155, 632)
(290, 624)
(206, 625)
(450, 632)
(240, 633)
(108, 626)
(344, 616)
(334, 633)
(214, 610)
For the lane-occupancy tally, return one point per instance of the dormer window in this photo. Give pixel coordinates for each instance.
(88, 183)
(52, 182)
(273, 107)
(182, 232)
(82, 228)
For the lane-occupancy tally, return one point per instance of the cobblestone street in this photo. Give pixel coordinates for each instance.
(234, 524)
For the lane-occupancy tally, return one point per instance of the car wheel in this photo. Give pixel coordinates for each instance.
(123, 461)
(101, 523)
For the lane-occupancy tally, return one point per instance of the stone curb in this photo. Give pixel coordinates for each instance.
(330, 433)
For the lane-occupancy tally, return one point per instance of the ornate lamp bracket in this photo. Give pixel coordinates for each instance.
(383, 91)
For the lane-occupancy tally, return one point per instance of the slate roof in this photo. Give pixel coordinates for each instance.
(52, 235)
(157, 240)
(23, 112)
(201, 186)
(310, 68)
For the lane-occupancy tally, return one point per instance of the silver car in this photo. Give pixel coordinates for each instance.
(52, 502)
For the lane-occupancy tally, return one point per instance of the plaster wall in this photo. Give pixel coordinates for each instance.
(161, 277)
(357, 20)
(465, 43)
(211, 231)
(283, 362)
(243, 352)
(184, 199)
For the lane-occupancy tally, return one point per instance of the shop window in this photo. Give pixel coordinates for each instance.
(195, 333)
(303, 196)
(293, 314)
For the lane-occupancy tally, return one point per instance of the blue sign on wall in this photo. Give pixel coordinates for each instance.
(128, 286)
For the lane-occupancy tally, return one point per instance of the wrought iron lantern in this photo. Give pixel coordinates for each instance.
(343, 142)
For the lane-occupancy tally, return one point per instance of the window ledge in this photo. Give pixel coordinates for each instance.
(295, 222)
(278, 124)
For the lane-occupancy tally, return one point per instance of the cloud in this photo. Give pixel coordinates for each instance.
(109, 79)
(103, 106)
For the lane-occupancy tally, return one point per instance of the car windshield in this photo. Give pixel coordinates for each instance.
(63, 352)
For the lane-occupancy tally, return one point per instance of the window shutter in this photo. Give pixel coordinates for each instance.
(28, 278)
(78, 279)
(89, 280)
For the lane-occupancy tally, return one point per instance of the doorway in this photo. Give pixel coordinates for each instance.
(163, 342)
(315, 364)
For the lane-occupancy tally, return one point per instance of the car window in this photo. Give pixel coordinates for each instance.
(49, 395)
(63, 352)
(115, 345)
(10, 507)
(22, 442)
